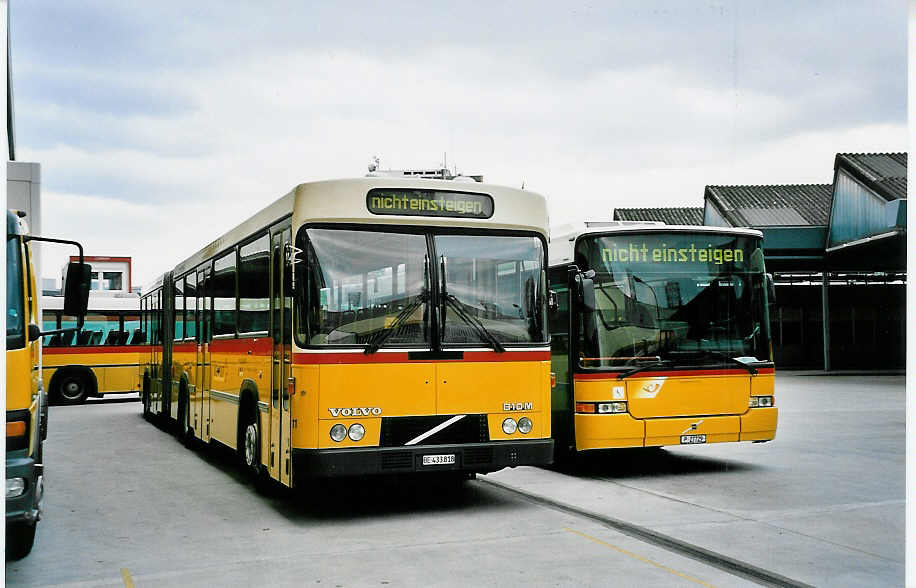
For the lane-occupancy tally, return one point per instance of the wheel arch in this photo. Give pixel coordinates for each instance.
(66, 370)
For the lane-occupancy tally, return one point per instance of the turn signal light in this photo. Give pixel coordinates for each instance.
(586, 407)
(553, 379)
(760, 401)
(15, 429)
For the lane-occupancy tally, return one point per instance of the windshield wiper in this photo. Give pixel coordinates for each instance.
(718, 354)
(379, 337)
(644, 367)
(472, 320)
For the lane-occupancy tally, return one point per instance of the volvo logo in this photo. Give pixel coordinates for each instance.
(355, 411)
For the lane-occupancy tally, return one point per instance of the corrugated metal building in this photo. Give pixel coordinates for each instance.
(836, 250)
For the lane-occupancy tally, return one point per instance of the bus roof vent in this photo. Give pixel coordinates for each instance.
(436, 173)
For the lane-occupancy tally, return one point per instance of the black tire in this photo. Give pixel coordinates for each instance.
(144, 398)
(72, 388)
(251, 444)
(181, 422)
(19, 539)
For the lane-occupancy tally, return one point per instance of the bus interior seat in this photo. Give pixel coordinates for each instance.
(113, 337)
(83, 337)
(138, 337)
(55, 340)
(96, 338)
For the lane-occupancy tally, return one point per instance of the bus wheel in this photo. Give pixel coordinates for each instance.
(19, 539)
(181, 428)
(252, 446)
(72, 389)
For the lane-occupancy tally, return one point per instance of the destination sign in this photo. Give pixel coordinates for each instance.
(680, 253)
(409, 202)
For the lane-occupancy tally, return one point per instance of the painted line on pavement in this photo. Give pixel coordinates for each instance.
(128, 581)
(723, 562)
(640, 558)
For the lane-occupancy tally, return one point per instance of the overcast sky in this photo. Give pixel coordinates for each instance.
(159, 126)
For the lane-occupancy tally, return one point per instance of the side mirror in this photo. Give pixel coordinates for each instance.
(586, 288)
(771, 289)
(553, 302)
(76, 289)
(34, 332)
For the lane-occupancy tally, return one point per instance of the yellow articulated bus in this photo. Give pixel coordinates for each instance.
(661, 337)
(26, 403)
(102, 357)
(362, 326)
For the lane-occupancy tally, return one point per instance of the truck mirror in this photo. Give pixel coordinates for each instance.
(771, 289)
(76, 288)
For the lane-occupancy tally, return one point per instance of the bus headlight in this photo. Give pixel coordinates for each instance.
(356, 432)
(509, 426)
(611, 407)
(760, 401)
(525, 425)
(14, 487)
(338, 432)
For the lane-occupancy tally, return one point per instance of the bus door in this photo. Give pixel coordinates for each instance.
(202, 404)
(281, 330)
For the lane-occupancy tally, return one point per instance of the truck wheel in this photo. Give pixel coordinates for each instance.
(72, 389)
(19, 539)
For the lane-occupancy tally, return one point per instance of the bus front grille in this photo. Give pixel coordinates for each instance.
(398, 431)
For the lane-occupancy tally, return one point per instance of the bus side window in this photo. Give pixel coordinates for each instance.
(223, 290)
(190, 302)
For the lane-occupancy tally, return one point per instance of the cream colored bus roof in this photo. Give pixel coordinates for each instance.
(344, 201)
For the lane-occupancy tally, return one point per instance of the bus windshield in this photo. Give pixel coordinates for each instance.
(674, 296)
(375, 288)
(15, 312)
(494, 288)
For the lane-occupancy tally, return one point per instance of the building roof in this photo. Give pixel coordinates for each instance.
(686, 215)
(773, 205)
(885, 173)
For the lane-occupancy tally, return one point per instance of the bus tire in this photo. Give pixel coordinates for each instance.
(144, 398)
(251, 444)
(20, 537)
(182, 427)
(72, 388)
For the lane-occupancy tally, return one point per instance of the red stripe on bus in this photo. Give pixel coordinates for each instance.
(675, 373)
(402, 357)
(257, 346)
(96, 349)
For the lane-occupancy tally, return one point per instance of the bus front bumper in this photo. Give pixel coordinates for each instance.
(469, 457)
(24, 507)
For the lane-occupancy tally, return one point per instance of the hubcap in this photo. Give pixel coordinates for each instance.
(251, 445)
(72, 389)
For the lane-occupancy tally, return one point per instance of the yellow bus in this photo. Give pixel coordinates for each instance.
(26, 403)
(661, 337)
(362, 326)
(101, 358)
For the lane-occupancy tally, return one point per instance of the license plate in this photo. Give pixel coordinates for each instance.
(689, 439)
(444, 459)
